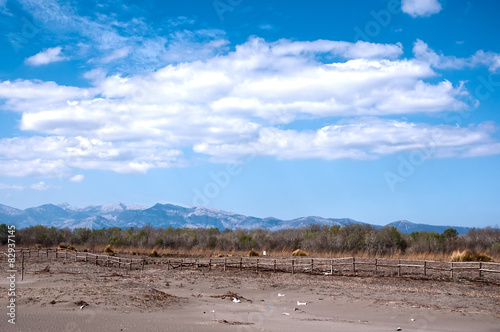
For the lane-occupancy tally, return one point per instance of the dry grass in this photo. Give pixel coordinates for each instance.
(299, 252)
(253, 253)
(70, 247)
(153, 253)
(108, 250)
(285, 252)
(469, 256)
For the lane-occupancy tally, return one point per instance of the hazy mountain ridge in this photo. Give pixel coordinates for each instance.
(165, 215)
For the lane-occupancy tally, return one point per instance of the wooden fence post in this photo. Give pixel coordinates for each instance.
(331, 267)
(451, 270)
(225, 263)
(22, 264)
(56, 253)
(312, 266)
(425, 268)
(210, 264)
(182, 263)
(47, 252)
(241, 263)
(257, 266)
(38, 252)
(399, 268)
(143, 264)
(354, 265)
(376, 266)
(168, 264)
(274, 269)
(119, 262)
(293, 267)
(480, 267)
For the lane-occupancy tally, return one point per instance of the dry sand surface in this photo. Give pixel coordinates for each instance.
(200, 300)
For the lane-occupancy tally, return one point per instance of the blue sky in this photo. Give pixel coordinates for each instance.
(373, 110)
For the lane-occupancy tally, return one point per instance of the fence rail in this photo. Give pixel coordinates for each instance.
(326, 266)
(338, 266)
(86, 257)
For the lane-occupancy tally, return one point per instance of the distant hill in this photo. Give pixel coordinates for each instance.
(169, 215)
(405, 226)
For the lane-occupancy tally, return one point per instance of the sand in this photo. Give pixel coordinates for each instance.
(200, 300)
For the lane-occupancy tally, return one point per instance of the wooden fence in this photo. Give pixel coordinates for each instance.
(342, 266)
(325, 266)
(87, 257)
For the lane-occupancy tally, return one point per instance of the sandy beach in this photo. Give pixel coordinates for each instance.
(74, 296)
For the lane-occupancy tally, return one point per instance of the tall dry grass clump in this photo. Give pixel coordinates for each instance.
(108, 250)
(469, 256)
(62, 245)
(253, 253)
(154, 253)
(299, 252)
(70, 247)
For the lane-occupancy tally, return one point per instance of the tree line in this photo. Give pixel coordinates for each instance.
(315, 238)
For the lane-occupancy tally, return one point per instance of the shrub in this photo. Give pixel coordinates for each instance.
(153, 253)
(70, 247)
(469, 256)
(253, 253)
(108, 250)
(38, 246)
(299, 252)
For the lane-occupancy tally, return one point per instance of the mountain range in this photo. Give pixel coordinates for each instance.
(165, 215)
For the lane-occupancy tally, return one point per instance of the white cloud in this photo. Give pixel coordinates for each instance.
(117, 54)
(421, 8)
(46, 56)
(359, 139)
(77, 178)
(423, 52)
(124, 43)
(4, 186)
(226, 107)
(40, 186)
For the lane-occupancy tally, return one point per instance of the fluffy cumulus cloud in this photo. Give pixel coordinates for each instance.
(240, 104)
(421, 8)
(46, 56)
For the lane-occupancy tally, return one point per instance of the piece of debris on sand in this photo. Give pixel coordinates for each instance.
(230, 296)
(81, 304)
(223, 321)
(45, 270)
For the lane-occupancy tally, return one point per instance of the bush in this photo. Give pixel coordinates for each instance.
(70, 247)
(253, 253)
(108, 250)
(153, 253)
(299, 252)
(38, 246)
(469, 256)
